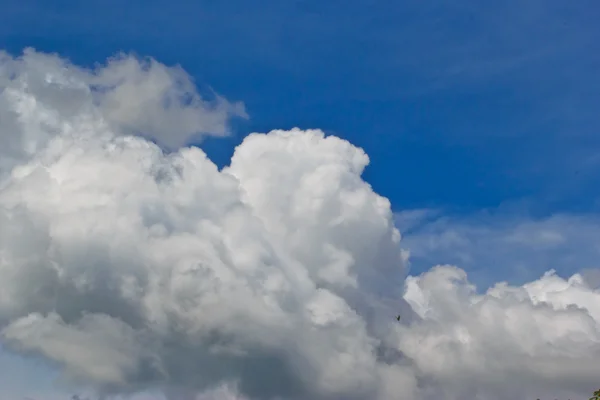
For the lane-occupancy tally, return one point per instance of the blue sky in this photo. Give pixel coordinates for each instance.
(480, 118)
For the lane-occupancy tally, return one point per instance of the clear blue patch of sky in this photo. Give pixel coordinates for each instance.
(460, 105)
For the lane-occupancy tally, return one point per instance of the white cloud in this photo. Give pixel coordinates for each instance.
(162, 268)
(537, 340)
(133, 96)
(499, 244)
(279, 276)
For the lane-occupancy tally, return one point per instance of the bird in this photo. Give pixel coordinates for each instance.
(398, 318)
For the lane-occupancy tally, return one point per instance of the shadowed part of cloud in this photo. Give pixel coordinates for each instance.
(280, 276)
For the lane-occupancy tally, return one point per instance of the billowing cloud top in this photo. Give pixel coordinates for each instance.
(130, 95)
(277, 277)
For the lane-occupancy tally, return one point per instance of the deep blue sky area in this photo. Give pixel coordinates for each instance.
(460, 105)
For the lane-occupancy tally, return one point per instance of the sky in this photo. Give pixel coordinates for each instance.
(476, 121)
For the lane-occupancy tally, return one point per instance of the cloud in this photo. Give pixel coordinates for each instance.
(105, 348)
(138, 267)
(280, 276)
(538, 340)
(134, 96)
(503, 243)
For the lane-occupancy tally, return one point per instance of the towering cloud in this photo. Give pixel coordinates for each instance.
(139, 265)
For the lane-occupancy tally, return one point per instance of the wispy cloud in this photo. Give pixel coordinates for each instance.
(501, 245)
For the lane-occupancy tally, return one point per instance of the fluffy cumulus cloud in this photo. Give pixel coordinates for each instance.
(541, 339)
(129, 95)
(138, 266)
